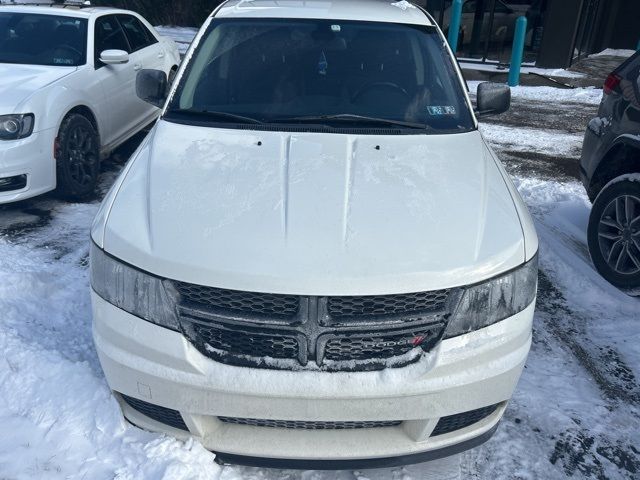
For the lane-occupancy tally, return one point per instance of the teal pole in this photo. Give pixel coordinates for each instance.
(517, 51)
(454, 24)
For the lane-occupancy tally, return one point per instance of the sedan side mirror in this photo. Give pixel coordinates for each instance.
(151, 86)
(493, 99)
(114, 57)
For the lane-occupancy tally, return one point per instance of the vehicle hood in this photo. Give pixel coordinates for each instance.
(314, 213)
(21, 81)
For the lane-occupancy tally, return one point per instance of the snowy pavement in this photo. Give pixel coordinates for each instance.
(575, 413)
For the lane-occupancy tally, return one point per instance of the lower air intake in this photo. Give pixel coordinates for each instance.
(8, 184)
(303, 425)
(156, 412)
(459, 421)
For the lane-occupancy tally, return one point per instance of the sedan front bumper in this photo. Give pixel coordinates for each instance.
(33, 157)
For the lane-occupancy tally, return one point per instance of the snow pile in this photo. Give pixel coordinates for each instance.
(586, 95)
(611, 52)
(403, 5)
(528, 139)
(183, 36)
(470, 64)
(64, 423)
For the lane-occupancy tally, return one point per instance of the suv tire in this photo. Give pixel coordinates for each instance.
(77, 157)
(614, 233)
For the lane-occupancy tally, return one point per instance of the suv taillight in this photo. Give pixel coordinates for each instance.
(611, 83)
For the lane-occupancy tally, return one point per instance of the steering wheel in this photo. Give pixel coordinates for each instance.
(382, 85)
(69, 48)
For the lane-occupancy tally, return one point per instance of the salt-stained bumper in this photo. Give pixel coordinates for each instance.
(161, 367)
(33, 157)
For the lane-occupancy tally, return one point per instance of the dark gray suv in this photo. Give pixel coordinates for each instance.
(610, 171)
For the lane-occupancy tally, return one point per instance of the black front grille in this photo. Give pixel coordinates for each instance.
(247, 343)
(377, 347)
(336, 333)
(304, 425)
(239, 301)
(458, 421)
(409, 303)
(156, 412)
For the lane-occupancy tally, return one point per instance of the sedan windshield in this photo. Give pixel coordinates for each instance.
(35, 39)
(339, 73)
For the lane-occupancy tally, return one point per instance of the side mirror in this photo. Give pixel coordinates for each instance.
(493, 99)
(151, 86)
(114, 57)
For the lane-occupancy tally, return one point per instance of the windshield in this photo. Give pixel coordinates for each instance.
(35, 39)
(341, 73)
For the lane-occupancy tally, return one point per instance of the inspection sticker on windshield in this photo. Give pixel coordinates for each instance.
(441, 110)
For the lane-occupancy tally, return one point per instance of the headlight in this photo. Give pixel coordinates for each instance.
(13, 127)
(499, 298)
(136, 292)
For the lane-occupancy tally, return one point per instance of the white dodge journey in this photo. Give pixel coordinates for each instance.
(314, 259)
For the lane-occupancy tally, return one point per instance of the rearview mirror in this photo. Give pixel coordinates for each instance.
(493, 99)
(114, 57)
(151, 86)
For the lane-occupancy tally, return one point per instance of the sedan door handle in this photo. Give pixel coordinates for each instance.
(161, 55)
(137, 66)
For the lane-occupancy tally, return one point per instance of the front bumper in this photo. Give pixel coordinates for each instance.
(33, 157)
(161, 367)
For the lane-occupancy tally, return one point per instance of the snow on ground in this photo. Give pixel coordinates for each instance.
(588, 95)
(575, 412)
(611, 52)
(471, 64)
(526, 139)
(181, 35)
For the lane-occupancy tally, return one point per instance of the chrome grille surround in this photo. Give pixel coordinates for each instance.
(365, 333)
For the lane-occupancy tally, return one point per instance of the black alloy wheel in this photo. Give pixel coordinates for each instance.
(78, 157)
(614, 234)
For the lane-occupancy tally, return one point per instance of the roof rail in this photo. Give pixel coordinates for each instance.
(54, 3)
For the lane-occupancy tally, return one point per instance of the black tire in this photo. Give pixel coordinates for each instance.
(77, 158)
(614, 235)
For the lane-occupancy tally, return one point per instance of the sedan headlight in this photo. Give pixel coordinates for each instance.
(132, 290)
(495, 300)
(15, 126)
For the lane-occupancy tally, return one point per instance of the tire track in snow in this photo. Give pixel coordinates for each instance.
(603, 363)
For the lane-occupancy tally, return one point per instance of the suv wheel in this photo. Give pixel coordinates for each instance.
(78, 157)
(614, 233)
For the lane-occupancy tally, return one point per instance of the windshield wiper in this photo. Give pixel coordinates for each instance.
(213, 114)
(349, 117)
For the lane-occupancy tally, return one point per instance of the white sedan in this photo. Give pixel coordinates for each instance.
(67, 96)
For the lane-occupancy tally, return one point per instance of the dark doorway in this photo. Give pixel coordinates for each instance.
(488, 27)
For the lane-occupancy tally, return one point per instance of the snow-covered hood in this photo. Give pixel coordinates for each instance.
(21, 81)
(313, 213)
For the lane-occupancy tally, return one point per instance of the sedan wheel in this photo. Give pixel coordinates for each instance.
(78, 157)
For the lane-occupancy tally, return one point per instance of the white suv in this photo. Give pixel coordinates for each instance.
(67, 95)
(315, 260)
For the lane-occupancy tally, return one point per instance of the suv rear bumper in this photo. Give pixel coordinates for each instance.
(461, 374)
